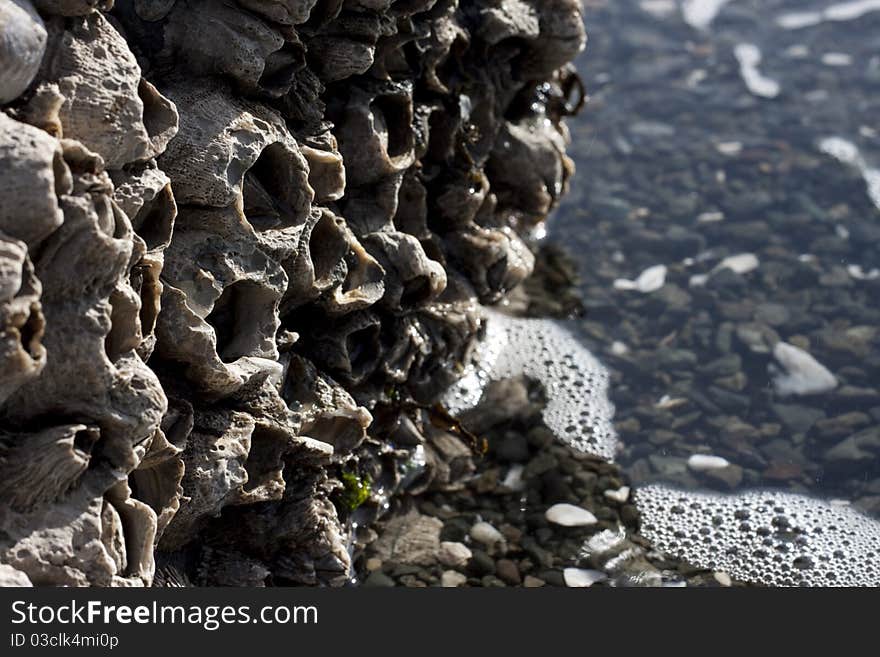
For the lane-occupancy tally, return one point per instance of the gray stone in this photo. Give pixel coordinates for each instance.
(507, 571)
(481, 564)
(378, 579)
(797, 418)
(411, 539)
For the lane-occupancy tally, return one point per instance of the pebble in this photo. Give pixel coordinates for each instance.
(580, 577)
(730, 477)
(650, 280)
(705, 462)
(541, 556)
(540, 464)
(513, 448)
(552, 577)
(511, 533)
(569, 515)
(453, 554)
(620, 495)
(531, 582)
(507, 571)
(862, 446)
(486, 534)
(373, 564)
(802, 374)
(742, 263)
(481, 564)
(722, 578)
(490, 581)
(619, 348)
(797, 418)
(379, 579)
(451, 579)
(513, 480)
(724, 366)
(836, 59)
(714, 217)
(842, 425)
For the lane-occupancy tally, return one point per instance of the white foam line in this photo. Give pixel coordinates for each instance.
(578, 409)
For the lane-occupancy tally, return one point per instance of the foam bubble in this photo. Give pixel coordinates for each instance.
(771, 538)
(576, 384)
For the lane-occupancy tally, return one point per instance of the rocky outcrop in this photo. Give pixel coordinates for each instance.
(243, 249)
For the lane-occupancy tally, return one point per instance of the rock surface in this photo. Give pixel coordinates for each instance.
(243, 247)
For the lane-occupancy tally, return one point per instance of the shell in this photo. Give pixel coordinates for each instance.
(22, 44)
(156, 481)
(364, 280)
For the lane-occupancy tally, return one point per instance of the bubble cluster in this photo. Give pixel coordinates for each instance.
(576, 385)
(765, 537)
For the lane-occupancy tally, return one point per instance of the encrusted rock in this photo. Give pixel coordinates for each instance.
(242, 245)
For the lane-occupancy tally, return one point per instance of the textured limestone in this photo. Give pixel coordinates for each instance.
(243, 247)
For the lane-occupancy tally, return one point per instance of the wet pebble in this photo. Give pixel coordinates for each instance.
(453, 555)
(379, 579)
(452, 579)
(508, 572)
(580, 577)
(485, 533)
(569, 515)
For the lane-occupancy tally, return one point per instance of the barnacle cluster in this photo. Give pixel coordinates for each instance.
(232, 233)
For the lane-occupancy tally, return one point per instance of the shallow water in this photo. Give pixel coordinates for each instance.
(753, 134)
